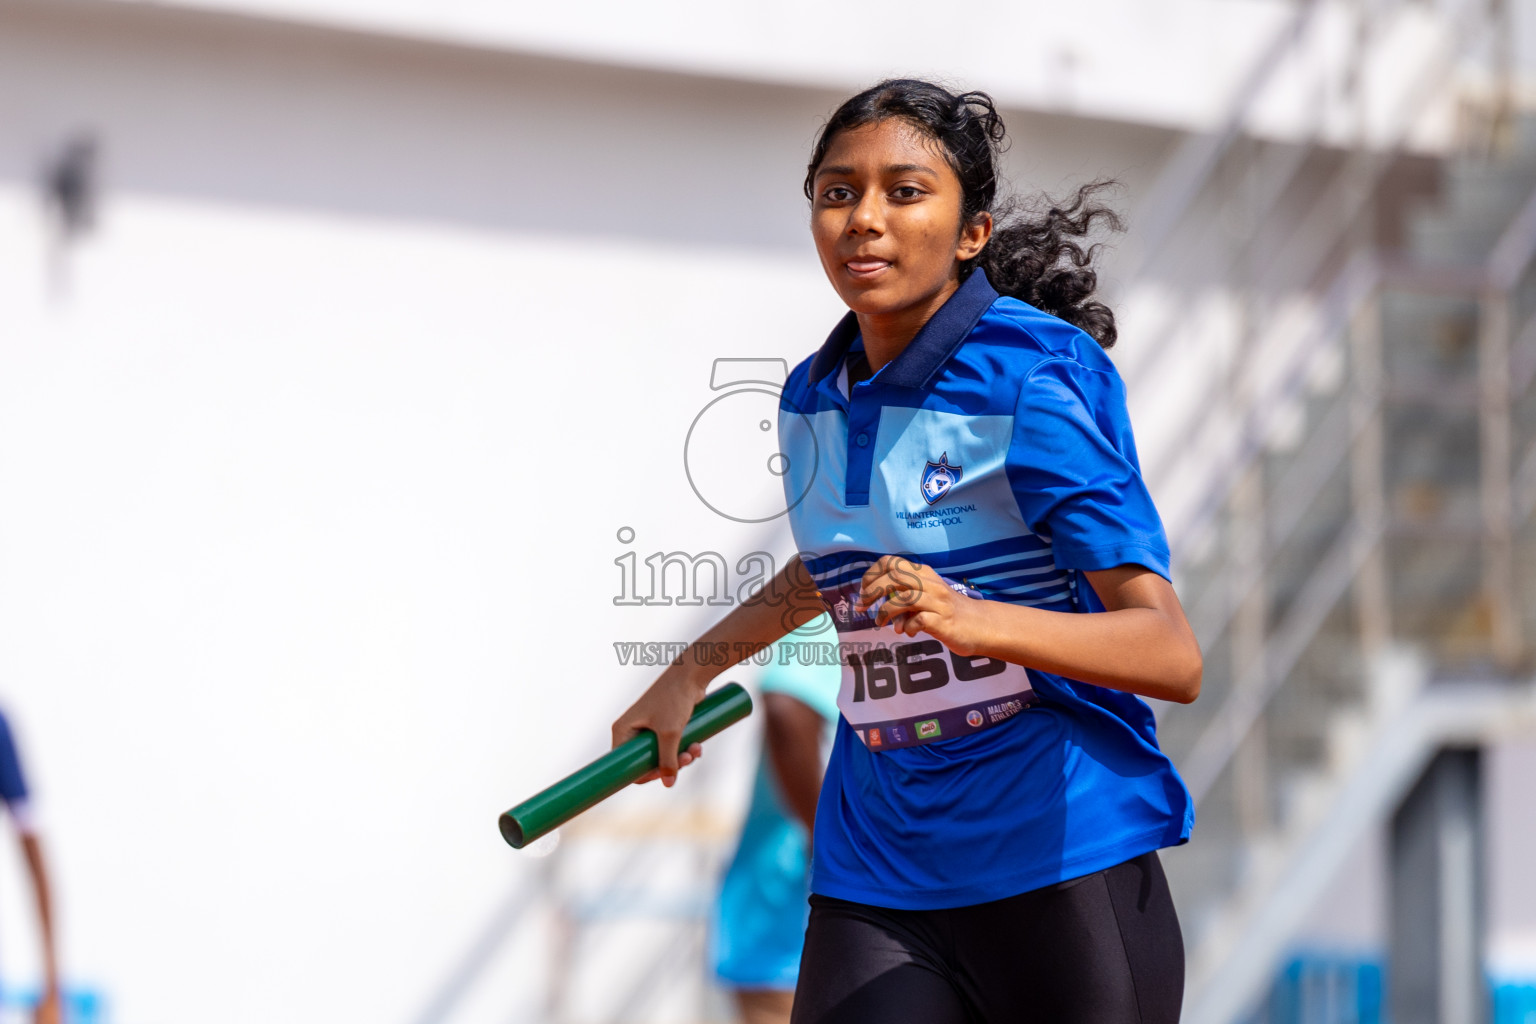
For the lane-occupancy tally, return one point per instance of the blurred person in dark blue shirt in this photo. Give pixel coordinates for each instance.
(13, 791)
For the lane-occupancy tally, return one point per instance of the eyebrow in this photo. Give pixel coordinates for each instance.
(889, 169)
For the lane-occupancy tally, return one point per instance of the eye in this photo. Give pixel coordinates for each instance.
(838, 194)
(907, 192)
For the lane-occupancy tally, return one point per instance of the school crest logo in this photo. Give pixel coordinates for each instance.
(939, 477)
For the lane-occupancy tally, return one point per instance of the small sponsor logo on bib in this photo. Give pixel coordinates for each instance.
(938, 478)
(973, 718)
(927, 730)
(874, 737)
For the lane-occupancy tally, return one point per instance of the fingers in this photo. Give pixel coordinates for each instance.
(694, 753)
(903, 594)
(921, 622)
(890, 611)
(663, 711)
(625, 730)
(875, 590)
(906, 604)
(912, 623)
(622, 732)
(667, 741)
(900, 581)
(875, 584)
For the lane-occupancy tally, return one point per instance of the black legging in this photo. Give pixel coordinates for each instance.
(1101, 949)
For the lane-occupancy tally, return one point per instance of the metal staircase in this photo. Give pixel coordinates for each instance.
(1351, 562)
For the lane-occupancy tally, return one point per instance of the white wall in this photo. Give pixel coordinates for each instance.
(1171, 63)
(307, 574)
(1176, 63)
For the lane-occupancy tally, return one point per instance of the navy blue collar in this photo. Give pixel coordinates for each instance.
(931, 349)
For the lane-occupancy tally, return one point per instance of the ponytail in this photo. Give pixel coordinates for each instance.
(1039, 253)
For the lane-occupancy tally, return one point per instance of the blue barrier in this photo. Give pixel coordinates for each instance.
(1514, 1003)
(81, 1006)
(1327, 988)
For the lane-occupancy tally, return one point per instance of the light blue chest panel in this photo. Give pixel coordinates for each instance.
(938, 493)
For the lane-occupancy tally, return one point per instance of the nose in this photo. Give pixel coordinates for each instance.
(868, 216)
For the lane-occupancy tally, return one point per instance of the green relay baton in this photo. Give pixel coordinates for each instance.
(548, 810)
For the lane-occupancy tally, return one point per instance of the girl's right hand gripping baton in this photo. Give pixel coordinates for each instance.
(621, 766)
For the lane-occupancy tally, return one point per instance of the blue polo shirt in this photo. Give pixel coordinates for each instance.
(997, 449)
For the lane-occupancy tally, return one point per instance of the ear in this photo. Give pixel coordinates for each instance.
(974, 236)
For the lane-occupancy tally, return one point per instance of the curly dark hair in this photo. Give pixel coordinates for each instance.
(1039, 250)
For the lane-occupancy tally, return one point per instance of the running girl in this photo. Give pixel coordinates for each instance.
(967, 502)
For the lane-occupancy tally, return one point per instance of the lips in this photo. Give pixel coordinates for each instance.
(866, 267)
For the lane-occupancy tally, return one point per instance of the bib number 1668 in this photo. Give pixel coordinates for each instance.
(913, 668)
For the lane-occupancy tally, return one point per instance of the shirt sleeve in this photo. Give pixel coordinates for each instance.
(13, 786)
(1074, 470)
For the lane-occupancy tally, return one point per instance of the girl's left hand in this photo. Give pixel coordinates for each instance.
(917, 600)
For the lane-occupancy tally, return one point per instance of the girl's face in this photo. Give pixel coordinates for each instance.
(886, 220)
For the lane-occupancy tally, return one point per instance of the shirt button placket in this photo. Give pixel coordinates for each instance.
(861, 436)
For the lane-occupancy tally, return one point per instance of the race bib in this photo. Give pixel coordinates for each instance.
(899, 691)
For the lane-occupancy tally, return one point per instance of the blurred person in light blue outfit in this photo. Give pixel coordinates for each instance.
(760, 919)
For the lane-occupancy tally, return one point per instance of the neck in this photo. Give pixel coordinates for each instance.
(886, 335)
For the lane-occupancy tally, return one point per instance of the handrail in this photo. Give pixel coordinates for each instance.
(1522, 376)
(1182, 178)
(1165, 462)
(1225, 731)
(1220, 483)
(1133, 368)
(1213, 613)
(1349, 291)
(1511, 255)
(472, 963)
(1177, 186)
(1224, 734)
(1211, 623)
(1280, 177)
(1515, 249)
(1525, 487)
